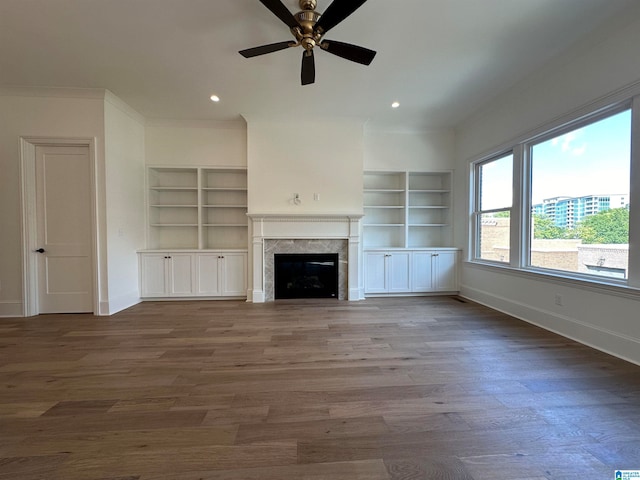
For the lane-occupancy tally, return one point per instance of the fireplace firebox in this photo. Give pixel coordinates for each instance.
(306, 275)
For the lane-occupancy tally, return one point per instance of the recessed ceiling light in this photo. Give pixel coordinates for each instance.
(395, 104)
(215, 98)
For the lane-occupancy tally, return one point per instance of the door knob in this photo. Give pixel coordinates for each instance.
(40, 250)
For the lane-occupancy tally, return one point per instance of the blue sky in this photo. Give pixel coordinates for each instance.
(591, 160)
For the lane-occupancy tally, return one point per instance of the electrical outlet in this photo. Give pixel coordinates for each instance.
(558, 299)
(316, 196)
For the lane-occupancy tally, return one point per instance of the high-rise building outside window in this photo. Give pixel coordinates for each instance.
(580, 182)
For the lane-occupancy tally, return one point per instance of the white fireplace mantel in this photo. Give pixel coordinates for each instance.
(305, 226)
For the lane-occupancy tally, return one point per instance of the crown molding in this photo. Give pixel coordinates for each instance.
(123, 106)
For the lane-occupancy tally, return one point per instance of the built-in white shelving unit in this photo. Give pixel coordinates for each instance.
(173, 207)
(407, 233)
(197, 208)
(197, 233)
(428, 209)
(407, 209)
(224, 208)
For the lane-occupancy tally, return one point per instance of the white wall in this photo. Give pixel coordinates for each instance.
(323, 157)
(35, 113)
(405, 150)
(125, 232)
(196, 143)
(607, 60)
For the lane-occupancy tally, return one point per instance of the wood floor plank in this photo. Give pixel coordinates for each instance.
(362, 470)
(251, 433)
(384, 389)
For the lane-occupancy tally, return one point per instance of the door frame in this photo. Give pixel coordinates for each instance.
(29, 223)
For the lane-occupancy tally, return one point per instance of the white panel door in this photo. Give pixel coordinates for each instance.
(375, 271)
(234, 274)
(63, 211)
(181, 274)
(154, 274)
(208, 276)
(399, 266)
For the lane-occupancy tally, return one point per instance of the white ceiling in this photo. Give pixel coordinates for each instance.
(442, 59)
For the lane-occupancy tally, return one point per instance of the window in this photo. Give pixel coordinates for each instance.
(560, 201)
(580, 182)
(492, 216)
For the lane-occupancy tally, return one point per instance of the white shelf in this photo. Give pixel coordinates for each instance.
(224, 225)
(407, 209)
(371, 207)
(384, 190)
(174, 224)
(427, 206)
(384, 225)
(225, 206)
(174, 206)
(197, 208)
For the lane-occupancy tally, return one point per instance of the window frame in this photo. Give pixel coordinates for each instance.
(520, 233)
(528, 146)
(477, 212)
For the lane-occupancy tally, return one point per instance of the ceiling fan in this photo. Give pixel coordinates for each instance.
(309, 27)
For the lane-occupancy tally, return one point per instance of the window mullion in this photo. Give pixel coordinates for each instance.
(518, 215)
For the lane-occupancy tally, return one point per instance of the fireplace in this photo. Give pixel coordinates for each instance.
(306, 275)
(275, 234)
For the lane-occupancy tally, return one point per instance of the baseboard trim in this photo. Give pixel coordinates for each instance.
(613, 343)
(120, 303)
(258, 296)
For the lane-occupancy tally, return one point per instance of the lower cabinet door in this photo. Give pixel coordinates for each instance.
(153, 271)
(423, 272)
(234, 274)
(208, 277)
(222, 274)
(375, 270)
(181, 274)
(399, 265)
(446, 272)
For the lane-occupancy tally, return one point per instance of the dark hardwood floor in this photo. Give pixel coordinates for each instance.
(398, 388)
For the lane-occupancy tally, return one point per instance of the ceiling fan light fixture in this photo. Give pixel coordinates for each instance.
(308, 28)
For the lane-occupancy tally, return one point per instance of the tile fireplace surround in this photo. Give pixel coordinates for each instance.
(281, 233)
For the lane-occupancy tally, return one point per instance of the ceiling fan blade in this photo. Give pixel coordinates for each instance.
(337, 12)
(308, 74)
(354, 53)
(264, 49)
(280, 11)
